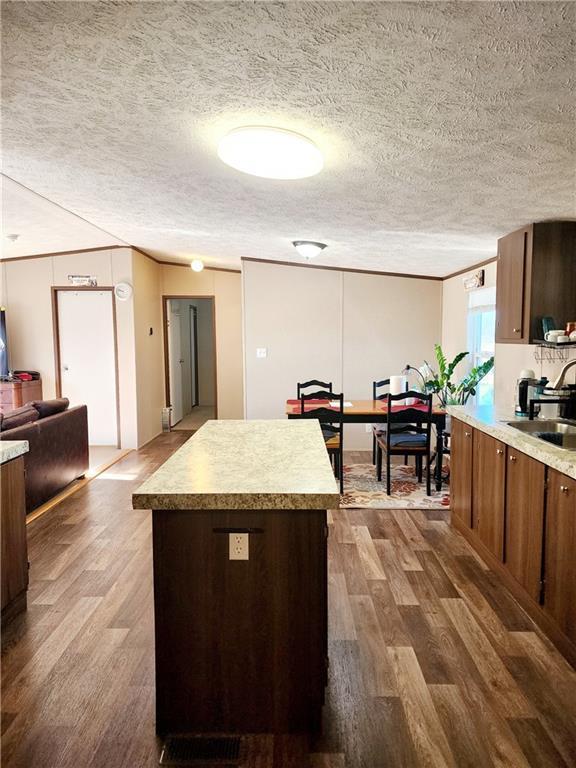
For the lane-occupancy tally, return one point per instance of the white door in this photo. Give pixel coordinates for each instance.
(175, 362)
(87, 359)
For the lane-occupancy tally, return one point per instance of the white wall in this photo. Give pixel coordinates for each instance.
(344, 327)
(26, 294)
(147, 347)
(509, 359)
(387, 323)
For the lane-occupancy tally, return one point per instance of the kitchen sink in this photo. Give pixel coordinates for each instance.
(559, 432)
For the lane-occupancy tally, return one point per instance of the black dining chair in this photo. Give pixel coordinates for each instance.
(400, 439)
(331, 425)
(380, 429)
(378, 395)
(324, 385)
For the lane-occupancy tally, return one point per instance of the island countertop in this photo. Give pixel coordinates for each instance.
(255, 464)
(495, 422)
(11, 449)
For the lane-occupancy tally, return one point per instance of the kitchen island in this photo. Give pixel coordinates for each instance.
(513, 497)
(240, 578)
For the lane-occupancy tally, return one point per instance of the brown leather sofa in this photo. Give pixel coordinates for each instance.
(58, 452)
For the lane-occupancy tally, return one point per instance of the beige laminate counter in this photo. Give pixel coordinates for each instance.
(11, 449)
(245, 465)
(494, 422)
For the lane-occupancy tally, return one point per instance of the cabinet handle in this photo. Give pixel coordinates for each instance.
(564, 488)
(512, 458)
(468, 434)
(499, 451)
(516, 330)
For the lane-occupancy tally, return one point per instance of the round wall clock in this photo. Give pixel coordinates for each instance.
(123, 291)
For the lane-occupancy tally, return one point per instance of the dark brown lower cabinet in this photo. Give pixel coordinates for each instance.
(241, 645)
(560, 552)
(489, 492)
(523, 526)
(14, 545)
(525, 487)
(461, 471)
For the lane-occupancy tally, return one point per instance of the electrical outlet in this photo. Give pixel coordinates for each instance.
(261, 352)
(238, 546)
(368, 427)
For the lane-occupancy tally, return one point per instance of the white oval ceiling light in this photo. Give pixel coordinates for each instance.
(273, 153)
(308, 248)
(197, 265)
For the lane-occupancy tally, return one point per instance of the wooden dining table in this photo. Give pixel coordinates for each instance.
(376, 412)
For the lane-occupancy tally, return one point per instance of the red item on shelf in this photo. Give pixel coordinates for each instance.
(23, 376)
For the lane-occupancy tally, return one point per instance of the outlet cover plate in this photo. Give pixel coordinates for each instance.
(238, 546)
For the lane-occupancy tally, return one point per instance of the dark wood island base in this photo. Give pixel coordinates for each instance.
(241, 645)
(240, 579)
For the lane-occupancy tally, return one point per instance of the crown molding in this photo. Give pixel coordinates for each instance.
(342, 269)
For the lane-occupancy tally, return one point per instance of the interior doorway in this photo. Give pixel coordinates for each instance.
(86, 357)
(190, 360)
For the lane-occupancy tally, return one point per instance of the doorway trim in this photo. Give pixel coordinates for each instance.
(165, 300)
(56, 335)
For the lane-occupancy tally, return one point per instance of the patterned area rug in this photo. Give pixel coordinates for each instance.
(363, 491)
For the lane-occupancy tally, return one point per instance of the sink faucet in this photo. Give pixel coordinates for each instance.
(559, 383)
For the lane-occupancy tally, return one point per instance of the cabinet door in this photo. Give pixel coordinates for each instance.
(13, 527)
(489, 487)
(560, 561)
(510, 297)
(461, 471)
(525, 481)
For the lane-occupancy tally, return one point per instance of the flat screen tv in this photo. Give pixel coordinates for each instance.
(3, 344)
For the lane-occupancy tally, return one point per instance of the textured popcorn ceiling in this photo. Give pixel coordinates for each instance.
(444, 125)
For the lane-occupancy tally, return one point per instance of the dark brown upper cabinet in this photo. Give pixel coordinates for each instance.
(536, 278)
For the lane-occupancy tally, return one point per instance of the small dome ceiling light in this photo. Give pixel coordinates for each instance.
(197, 265)
(273, 153)
(308, 248)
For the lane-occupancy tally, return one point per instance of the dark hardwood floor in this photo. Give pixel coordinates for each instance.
(432, 662)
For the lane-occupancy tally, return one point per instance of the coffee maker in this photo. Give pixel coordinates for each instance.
(528, 387)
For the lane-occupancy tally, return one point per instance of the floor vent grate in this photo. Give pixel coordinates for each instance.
(201, 751)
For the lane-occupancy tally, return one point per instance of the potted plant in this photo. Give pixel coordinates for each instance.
(441, 384)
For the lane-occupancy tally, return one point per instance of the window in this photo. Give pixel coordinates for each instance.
(481, 336)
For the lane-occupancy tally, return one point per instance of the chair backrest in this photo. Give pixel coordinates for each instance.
(376, 385)
(325, 385)
(326, 414)
(410, 414)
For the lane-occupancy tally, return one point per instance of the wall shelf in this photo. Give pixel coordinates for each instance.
(550, 352)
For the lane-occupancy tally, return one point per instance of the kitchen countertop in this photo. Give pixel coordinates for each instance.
(11, 449)
(493, 421)
(245, 465)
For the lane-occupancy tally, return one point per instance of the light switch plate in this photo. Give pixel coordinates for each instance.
(261, 352)
(238, 546)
